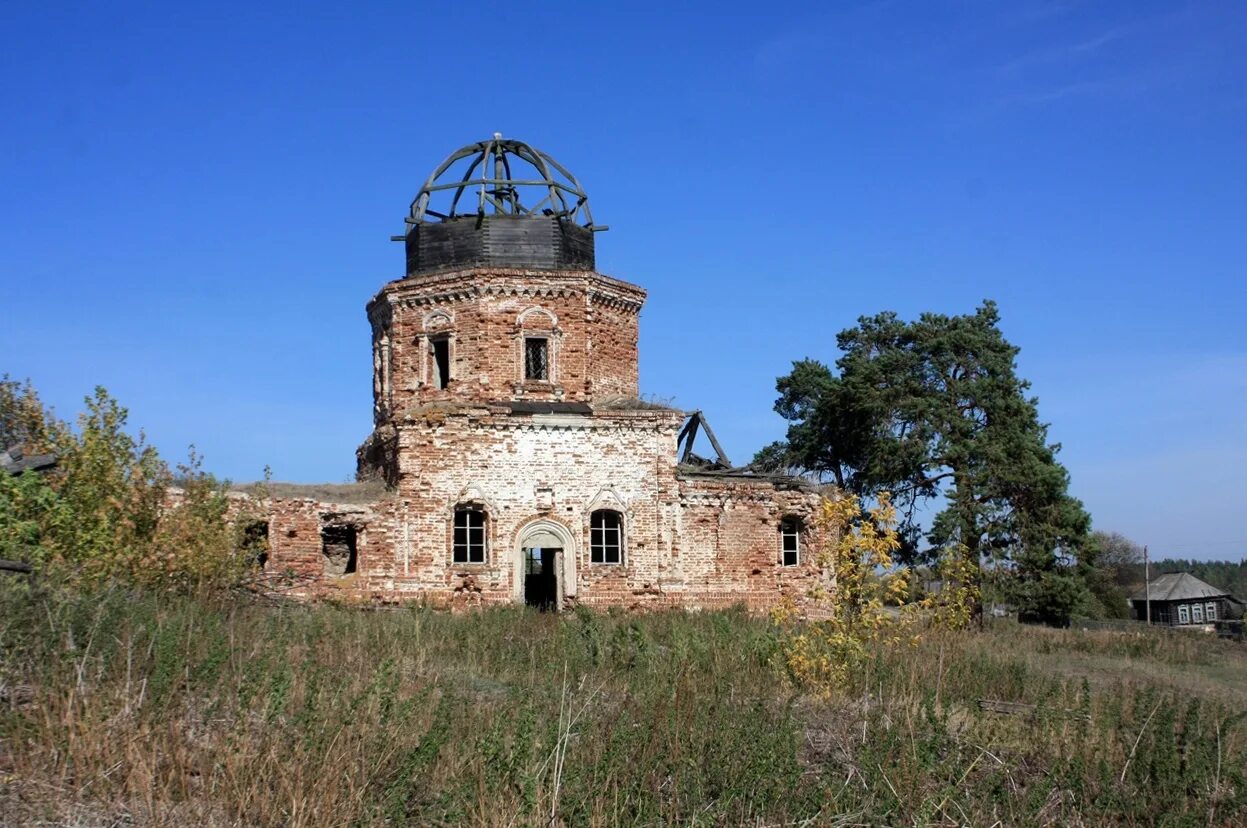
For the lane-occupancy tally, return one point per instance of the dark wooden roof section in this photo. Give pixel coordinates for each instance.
(14, 461)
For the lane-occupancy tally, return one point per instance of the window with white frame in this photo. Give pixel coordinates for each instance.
(1210, 610)
(790, 541)
(469, 541)
(1184, 614)
(606, 537)
(1197, 613)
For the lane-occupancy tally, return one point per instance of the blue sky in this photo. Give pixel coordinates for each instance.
(195, 204)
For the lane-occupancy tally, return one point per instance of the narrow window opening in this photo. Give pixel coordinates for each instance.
(790, 541)
(338, 544)
(387, 366)
(469, 541)
(254, 542)
(440, 350)
(536, 358)
(606, 537)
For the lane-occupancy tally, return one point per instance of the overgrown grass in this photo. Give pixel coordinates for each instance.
(360, 492)
(176, 712)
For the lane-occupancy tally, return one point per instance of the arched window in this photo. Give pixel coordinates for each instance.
(469, 544)
(606, 537)
(538, 332)
(790, 541)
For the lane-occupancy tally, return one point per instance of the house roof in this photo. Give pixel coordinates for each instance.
(1178, 586)
(15, 462)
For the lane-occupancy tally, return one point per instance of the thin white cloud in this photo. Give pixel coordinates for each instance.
(1063, 53)
(1133, 58)
(1069, 90)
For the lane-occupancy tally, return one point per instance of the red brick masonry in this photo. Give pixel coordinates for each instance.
(690, 538)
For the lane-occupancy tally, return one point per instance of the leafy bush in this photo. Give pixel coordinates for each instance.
(109, 510)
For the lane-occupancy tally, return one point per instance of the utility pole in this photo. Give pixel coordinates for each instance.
(1147, 586)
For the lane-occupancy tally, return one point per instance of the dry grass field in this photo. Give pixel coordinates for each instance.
(120, 708)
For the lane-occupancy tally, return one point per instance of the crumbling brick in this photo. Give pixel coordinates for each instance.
(538, 458)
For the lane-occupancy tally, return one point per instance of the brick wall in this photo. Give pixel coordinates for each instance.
(589, 319)
(689, 540)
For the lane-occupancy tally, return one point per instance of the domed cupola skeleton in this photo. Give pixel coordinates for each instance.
(511, 206)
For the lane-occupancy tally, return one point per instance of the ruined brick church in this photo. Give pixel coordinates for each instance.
(519, 462)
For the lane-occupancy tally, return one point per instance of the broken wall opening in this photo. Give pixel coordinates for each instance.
(439, 349)
(338, 544)
(254, 542)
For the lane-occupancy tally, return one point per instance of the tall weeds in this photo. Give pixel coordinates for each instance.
(175, 711)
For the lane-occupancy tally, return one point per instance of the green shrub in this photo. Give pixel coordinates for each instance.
(109, 512)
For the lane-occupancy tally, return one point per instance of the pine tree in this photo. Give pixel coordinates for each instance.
(934, 410)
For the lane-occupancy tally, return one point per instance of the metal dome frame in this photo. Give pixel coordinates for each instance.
(563, 200)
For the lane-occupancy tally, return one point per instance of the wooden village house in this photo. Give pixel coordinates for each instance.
(1180, 599)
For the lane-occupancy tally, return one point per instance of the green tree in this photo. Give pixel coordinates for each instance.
(30, 508)
(194, 547)
(109, 510)
(114, 486)
(1118, 557)
(1111, 578)
(934, 410)
(29, 511)
(24, 421)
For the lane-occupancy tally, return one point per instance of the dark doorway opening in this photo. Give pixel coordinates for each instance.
(541, 585)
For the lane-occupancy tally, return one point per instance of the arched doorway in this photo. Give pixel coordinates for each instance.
(541, 577)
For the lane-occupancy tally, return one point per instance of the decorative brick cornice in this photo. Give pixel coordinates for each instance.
(456, 285)
(614, 300)
(483, 417)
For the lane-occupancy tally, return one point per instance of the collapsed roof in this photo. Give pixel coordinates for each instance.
(14, 461)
